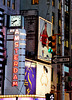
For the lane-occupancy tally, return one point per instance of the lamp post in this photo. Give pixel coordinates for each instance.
(62, 67)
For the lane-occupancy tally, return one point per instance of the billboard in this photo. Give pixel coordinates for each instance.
(30, 77)
(23, 98)
(26, 98)
(40, 99)
(7, 98)
(45, 31)
(43, 79)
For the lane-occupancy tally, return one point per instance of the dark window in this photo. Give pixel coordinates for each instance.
(53, 2)
(13, 4)
(52, 32)
(3, 2)
(8, 3)
(52, 75)
(53, 17)
(35, 2)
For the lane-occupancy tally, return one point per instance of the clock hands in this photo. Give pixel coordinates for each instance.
(14, 21)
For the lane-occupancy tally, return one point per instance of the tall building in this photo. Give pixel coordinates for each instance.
(31, 10)
(7, 8)
(67, 40)
(51, 11)
(2, 67)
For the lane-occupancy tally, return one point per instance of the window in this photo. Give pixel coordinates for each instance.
(59, 40)
(48, 1)
(52, 75)
(13, 4)
(67, 43)
(53, 18)
(3, 2)
(8, 3)
(35, 2)
(53, 2)
(66, 8)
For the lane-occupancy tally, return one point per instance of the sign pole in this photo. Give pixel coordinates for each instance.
(62, 69)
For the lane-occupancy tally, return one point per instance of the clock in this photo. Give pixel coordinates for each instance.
(15, 21)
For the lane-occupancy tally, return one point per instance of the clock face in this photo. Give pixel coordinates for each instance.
(15, 21)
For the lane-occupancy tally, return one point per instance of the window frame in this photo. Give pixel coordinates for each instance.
(13, 4)
(8, 3)
(33, 2)
(3, 2)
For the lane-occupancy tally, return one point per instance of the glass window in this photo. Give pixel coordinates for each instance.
(3, 2)
(67, 43)
(59, 39)
(8, 3)
(53, 18)
(13, 4)
(66, 8)
(48, 0)
(35, 2)
(53, 2)
(52, 75)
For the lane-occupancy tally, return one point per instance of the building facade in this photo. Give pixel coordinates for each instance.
(8, 7)
(67, 39)
(31, 10)
(47, 9)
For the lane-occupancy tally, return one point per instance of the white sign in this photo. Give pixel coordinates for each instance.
(43, 79)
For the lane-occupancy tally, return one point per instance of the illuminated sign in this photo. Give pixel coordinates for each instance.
(25, 98)
(45, 31)
(30, 77)
(15, 58)
(7, 98)
(43, 79)
(16, 61)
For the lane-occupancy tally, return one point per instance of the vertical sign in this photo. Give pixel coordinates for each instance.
(15, 58)
(30, 77)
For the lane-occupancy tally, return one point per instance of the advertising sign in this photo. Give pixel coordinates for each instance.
(43, 79)
(16, 43)
(45, 31)
(26, 98)
(40, 99)
(15, 58)
(7, 98)
(30, 77)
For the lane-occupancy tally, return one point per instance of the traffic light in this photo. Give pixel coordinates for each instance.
(49, 96)
(52, 44)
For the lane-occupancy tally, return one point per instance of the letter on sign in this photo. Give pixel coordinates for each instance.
(15, 83)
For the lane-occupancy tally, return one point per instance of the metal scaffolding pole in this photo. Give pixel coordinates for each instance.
(62, 67)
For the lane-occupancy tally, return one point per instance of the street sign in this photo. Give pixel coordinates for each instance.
(61, 59)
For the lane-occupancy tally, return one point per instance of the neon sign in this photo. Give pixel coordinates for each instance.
(15, 58)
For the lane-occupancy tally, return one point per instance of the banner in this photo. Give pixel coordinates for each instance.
(8, 99)
(26, 98)
(30, 77)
